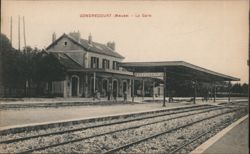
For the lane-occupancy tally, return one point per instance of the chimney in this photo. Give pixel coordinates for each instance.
(53, 37)
(111, 45)
(90, 39)
(75, 35)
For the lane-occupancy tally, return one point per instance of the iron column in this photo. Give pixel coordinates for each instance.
(94, 76)
(195, 92)
(133, 87)
(164, 88)
(142, 90)
(229, 90)
(214, 92)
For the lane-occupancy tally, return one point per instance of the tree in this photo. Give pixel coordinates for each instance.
(31, 66)
(10, 63)
(48, 69)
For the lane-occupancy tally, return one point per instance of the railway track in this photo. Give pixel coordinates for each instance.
(102, 125)
(194, 139)
(166, 132)
(196, 111)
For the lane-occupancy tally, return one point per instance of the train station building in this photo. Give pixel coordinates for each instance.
(92, 66)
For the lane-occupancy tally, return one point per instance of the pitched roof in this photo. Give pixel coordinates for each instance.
(100, 48)
(66, 61)
(94, 47)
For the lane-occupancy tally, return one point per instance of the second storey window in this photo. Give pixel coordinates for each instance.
(94, 62)
(105, 64)
(115, 65)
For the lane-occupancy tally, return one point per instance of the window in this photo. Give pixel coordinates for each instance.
(94, 62)
(115, 65)
(105, 64)
(65, 43)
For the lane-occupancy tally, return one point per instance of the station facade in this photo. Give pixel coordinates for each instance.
(94, 67)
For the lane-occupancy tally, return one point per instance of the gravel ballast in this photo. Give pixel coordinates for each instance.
(141, 129)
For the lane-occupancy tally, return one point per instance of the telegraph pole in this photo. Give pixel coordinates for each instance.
(18, 33)
(11, 30)
(24, 35)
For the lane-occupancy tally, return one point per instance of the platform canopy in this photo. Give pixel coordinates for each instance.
(178, 69)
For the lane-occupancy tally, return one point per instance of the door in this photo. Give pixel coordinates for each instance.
(74, 86)
(124, 86)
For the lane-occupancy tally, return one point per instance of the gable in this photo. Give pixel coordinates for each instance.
(64, 44)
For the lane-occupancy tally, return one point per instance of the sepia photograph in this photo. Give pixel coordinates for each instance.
(124, 76)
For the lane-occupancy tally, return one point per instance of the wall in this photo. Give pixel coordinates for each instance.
(58, 88)
(101, 57)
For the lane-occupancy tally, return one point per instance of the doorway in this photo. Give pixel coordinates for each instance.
(74, 83)
(124, 86)
(115, 87)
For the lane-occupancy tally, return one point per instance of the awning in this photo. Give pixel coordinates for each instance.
(178, 69)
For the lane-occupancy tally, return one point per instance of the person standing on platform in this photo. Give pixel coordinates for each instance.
(115, 95)
(96, 95)
(125, 95)
(109, 92)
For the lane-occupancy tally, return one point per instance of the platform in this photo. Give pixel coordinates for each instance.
(231, 140)
(27, 116)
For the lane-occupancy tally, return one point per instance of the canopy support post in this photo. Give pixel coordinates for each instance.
(214, 92)
(153, 91)
(133, 89)
(229, 91)
(164, 88)
(142, 90)
(94, 77)
(195, 91)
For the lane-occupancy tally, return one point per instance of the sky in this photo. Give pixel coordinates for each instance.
(210, 34)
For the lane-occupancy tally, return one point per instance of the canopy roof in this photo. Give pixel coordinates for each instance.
(178, 69)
